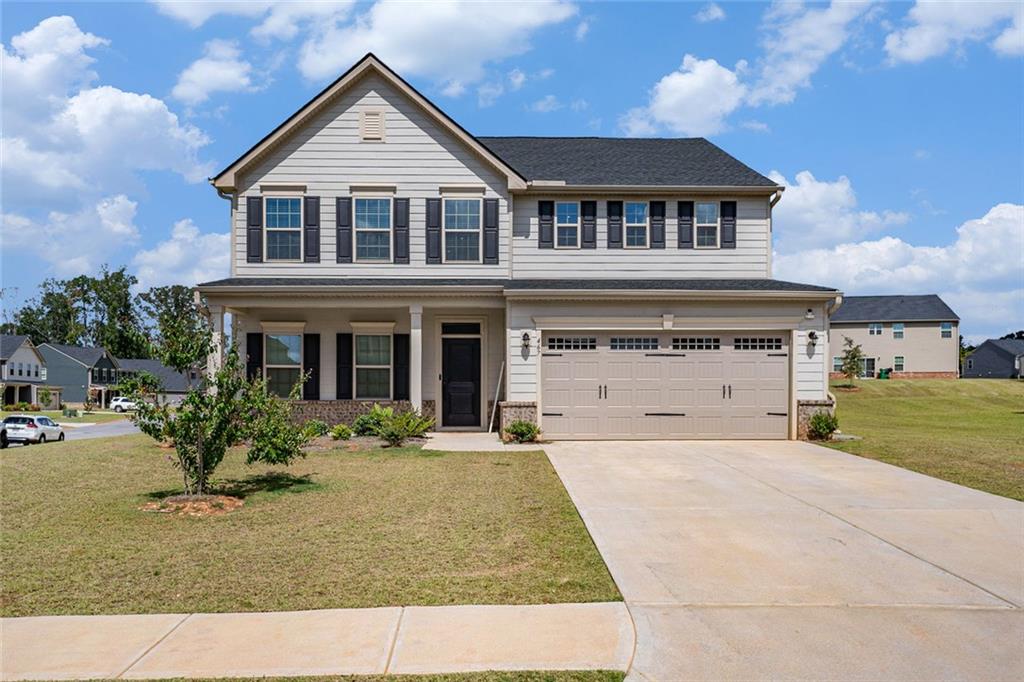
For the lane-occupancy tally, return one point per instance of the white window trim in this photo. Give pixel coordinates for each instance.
(698, 225)
(837, 366)
(578, 224)
(444, 230)
(301, 230)
(626, 225)
(901, 364)
(356, 230)
(284, 329)
(942, 330)
(899, 328)
(871, 327)
(369, 330)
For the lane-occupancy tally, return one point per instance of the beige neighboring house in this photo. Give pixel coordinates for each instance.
(600, 287)
(23, 373)
(917, 337)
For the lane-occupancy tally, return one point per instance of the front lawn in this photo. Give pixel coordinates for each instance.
(335, 530)
(82, 418)
(968, 431)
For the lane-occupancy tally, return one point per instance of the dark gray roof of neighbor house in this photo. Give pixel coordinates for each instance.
(87, 355)
(1013, 346)
(525, 284)
(10, 343)
(689, 161)
(170, 380)
(898, 308)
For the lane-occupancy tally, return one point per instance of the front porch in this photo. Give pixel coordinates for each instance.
(14, 392)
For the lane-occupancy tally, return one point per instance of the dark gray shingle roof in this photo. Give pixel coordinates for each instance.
(526, 284)
(87, 355)
(898, 308)
(1013, 346)
(10, 343)
(173, 382)
(624, 161)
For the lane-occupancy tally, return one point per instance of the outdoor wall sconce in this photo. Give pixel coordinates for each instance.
(812, 337)
(526, 340)
(809, 315)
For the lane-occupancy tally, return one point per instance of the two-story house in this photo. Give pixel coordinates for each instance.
(916, 337)
(604, 288)
(83, 372)
(23, 373)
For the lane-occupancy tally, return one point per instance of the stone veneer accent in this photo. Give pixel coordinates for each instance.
(345, 411)
(511, 411)
(805, 409)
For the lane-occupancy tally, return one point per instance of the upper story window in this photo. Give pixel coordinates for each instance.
(373, 229)
(283, 364)
(567, 225)
(897, 330)
(283, 223)
(946, 330)
(462, 230)
(875, 329)
(637, 225)
(37, 370)
(706, 225)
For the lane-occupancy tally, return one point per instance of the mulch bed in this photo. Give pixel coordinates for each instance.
(194, 505)
(354, 444)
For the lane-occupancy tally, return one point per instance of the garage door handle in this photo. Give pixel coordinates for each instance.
(723, 391)
(777, 414)
(551, 414)
(551, 355)
(664, 414)
(778, 355)
(730, 391)
(665, 355)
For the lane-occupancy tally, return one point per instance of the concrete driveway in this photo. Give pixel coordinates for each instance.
(784, 560)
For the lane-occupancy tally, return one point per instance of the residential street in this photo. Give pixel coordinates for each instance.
(121, 427)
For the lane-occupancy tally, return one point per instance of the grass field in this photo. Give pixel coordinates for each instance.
(335, 530)
(82, 418)
(486, 676)
(968, 431)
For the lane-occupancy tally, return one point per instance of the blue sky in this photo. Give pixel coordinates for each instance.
(898, 128)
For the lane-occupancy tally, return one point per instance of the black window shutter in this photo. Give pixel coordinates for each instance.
(545, 224)
(343, 219)
(685, 224)
(254, 229)
(588, 211)
(344, 364)
(614, 224)
(728, 215)
(401, 235)
(312, 229)
(490, 231)
(433, 231)
(657, 224)
(253, 355)
(401, 379)
(311, 365)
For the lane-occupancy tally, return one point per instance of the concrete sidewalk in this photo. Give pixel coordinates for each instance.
(473, 441)
(416, 639)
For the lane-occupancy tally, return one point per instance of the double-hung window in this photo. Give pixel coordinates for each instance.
(706, 225)
(567, 225)
(283, 362)
(897, 363)
(373, 366)
(897, 330)
(837, 363)
(875, 329)
(462, 230)
(946, 330)
(637, 224)
(373, 229)
(283, 228)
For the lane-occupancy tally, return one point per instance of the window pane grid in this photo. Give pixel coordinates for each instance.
(373, 366)
(284, 213)
(462, 230)
(572, 343)
(897, 330)
(946, 330)
(634, 343)
(757, 343)
(283, 220)
(697, 343)
(897, 363)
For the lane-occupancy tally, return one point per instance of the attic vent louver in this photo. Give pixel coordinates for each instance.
(371, 126)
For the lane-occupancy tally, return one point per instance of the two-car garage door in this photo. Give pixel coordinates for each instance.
(665, 385)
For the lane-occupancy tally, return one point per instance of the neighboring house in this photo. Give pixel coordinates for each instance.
(917, 337)
(24, 374)
(604, 288)
(82, 372)
(996, 358)
(174, 385)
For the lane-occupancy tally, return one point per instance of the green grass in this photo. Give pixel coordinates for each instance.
(335, 530)
(968, 431)
(82, 418)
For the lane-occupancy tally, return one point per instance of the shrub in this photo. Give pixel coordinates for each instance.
(369, 424)
(399, 427)
(35, 407)
(69, 412)
(341, 432)
(522, 431)
(10, 407)
(822, 425)
(314, 428)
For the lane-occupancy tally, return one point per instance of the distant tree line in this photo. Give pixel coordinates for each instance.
(103, 311)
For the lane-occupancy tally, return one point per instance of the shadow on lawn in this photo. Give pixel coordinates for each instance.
(272, 482)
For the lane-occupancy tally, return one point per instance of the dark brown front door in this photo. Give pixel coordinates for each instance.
(460, 382)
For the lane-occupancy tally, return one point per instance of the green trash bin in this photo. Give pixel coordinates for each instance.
(884, 373)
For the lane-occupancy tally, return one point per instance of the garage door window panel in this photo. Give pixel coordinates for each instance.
(697, 343)
(620, 343)
(757, 343)
(571, 343)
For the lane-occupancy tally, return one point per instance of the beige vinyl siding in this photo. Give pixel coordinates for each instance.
(922, 346)
(417, 157)
(750, 258)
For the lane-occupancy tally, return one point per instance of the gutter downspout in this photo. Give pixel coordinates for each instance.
(775, 197)
(834, 306)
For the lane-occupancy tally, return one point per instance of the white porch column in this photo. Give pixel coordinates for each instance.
(416, 356)
(216, 356)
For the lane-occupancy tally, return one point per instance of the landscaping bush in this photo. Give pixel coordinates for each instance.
(69, 412)
(35, 407)
(369, 424)
(10, 407)
(341, 432)
(822, 425)
(397, 428)
(314, 428)
(522, 431)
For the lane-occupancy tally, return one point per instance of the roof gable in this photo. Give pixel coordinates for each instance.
(898, 308)
(84, 355)
(226, 179)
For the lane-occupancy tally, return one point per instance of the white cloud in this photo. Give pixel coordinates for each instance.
(546, 104)
(981, 273)
(516, 79)
(195, 13)
(220, 69)
(408, 40)
(673, 99)
(281, 20)
(815, 213)
(938, 27)
(710, 12)
(579, 105)
(188, 257)
(488, 93)
(756, 126)
(582, 29)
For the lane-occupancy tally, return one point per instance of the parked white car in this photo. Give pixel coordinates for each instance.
(121, 404)
(27, 429)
